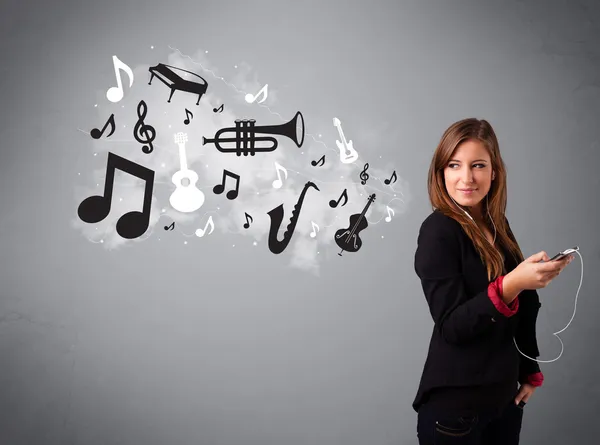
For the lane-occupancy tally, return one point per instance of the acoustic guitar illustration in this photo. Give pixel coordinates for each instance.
(186, 197)
(347, 239)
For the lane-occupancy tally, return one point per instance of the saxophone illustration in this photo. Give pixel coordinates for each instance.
(276, 216)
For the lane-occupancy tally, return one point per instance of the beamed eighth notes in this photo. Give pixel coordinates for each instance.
(95, 208)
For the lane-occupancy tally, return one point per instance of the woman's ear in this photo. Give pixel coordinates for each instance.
(493, 175)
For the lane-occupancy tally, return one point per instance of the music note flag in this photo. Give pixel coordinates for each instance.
(251, 98)
(115, 94)
(95, 208)
(278, 182)
(188, 114)
(389, 217)
(218, 110)
(201, 232)
(247, 223)
(333, 203)
(320, 161)
(394, 177)
(219, 188)
(315, 228)
(96, 134)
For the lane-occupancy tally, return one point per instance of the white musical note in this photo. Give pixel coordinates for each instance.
(264, 90)
(115, 94)
(389, 217)
(200, 232)
(278, 182)
(315, 228)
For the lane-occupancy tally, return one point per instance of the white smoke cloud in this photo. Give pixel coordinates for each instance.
(256, 193)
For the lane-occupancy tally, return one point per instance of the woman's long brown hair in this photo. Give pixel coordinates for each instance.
(456, 134)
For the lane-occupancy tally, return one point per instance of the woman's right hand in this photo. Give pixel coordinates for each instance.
(531, 274)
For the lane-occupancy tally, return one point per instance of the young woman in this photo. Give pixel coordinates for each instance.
(481, 294)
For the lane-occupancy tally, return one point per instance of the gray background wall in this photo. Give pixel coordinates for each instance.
(156, 341)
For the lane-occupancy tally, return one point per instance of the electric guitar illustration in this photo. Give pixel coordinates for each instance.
(344, 145)
(186, 198)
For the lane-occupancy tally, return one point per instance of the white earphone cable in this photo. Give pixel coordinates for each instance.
(562, 346)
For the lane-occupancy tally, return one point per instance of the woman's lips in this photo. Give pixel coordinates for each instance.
(467, 192)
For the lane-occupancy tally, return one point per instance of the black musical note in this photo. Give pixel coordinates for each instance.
(219, 110)
(333, 204)
(247, 223)
(140, 131)
(96, 134)
(387, 181)
(188, 113)
(364, 175)
(170, 226)
(219, 188)
(95, 208)
(320, 161)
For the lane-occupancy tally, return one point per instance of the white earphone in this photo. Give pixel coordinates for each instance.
(562, 346)
(488, 211)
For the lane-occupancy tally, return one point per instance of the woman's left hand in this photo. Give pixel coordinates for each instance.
(525, 392)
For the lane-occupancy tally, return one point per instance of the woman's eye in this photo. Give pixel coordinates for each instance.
(452, 165)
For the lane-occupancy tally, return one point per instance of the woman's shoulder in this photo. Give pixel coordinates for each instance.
(437, 221)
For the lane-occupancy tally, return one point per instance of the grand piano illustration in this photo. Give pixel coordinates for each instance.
(174, 81)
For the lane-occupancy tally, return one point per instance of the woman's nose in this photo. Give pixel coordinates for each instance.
(467, 176)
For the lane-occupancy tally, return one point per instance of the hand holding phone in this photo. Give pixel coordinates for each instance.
(531, 274)
(560, 255)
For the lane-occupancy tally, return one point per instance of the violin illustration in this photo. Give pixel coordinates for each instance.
(347, 239)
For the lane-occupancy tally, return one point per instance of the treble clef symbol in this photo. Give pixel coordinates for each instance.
(143, 133)
(364, 175)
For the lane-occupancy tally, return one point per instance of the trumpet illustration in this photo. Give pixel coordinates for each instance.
(245, 137)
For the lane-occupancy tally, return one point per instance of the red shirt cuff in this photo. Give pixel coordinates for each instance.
(495, 294)
(535, 379)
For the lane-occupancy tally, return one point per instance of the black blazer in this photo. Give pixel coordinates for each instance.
(471, 342)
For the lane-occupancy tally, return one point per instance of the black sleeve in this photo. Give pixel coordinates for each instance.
(459, 317)
(525, 335)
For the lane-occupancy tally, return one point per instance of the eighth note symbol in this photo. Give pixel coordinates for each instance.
(170, 226)
(389, 217)
(96, 134)
(251, 98)
(201, 232)
(115, 94)
(247, 223)
(394, 177)
(278, 182)
(188, 114)
(315, 229)
(333, 203)
(218, 110)
(320, 161)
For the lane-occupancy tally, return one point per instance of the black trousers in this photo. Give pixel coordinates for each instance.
(437, 426)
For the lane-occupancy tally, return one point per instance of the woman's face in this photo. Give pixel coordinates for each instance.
(469, 168)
